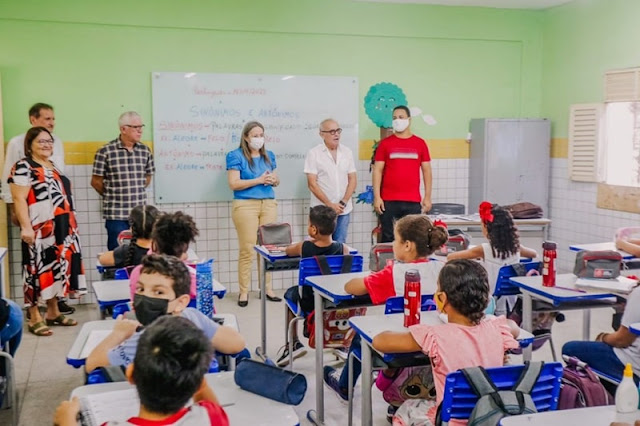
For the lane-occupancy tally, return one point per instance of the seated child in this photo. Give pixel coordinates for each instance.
(171, 235)
(168, 370)
(465, 340)
(630, 245)
(502, 249)
(322, 224)
(162, 289)
(141, 220)
(415, 239)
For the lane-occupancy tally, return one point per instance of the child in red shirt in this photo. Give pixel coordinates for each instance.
(172, 358)
(415, 239)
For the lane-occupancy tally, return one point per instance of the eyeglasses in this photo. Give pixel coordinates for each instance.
(140, 127)
(332, 131)
(45, 141)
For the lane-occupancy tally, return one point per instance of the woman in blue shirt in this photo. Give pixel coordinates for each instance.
(251, 172)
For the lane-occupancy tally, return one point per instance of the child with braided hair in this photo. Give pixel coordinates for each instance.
(141, 220)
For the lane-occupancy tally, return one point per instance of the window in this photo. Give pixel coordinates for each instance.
(622, 141)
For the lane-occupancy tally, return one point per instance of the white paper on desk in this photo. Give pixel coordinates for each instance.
(620, 284)
(118, 405)
(94, 338)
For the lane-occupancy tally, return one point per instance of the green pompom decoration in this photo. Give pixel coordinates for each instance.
(380, 101)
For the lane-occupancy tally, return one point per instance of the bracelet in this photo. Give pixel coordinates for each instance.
(342, 203)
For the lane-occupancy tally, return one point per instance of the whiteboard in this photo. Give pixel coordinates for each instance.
(198, 118)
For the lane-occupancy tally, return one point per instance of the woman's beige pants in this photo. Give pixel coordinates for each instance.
(247, 216)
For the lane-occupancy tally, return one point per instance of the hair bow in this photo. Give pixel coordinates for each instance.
(485, 211)
(438, 222)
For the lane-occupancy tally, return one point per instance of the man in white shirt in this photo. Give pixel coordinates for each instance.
(331, 176)
(40, 115)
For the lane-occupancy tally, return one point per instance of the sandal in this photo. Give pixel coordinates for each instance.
(62, 320)
(40, 329)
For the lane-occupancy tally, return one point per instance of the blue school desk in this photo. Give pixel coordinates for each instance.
(269, 262)
(565, 296)
(242, 407)
(114, 292)
(369, 326)
(599, 247)
(329, 293)
(579, 416)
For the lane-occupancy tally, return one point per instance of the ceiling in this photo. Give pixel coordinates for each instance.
(503, 4)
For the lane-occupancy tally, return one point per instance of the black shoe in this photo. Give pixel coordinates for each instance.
(243, 303)
(274, 298)
(64, 308)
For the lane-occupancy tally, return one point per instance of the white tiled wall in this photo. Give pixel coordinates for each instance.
(217, 234)
(576, 219)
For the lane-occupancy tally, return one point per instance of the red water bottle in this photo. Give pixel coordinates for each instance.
(549, 255)
(411, 297)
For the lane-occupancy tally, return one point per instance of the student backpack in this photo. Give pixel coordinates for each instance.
(337, 331)
(414, 382)
(495, 404)
(380, 255)
(580, 387)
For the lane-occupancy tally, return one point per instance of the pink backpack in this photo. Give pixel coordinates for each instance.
(581, 387)
(407, 383)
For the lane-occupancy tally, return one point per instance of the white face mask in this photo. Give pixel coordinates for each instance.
(400, 124)
(256, 143)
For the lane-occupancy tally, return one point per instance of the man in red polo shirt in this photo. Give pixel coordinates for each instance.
(396, 174)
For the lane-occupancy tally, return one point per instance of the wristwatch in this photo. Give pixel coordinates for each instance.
(342, 203)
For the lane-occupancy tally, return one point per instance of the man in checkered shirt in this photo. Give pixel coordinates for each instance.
(122, 169)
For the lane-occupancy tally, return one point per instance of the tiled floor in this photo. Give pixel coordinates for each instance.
(44, 378)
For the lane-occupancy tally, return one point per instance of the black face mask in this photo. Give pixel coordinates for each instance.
(149, 308)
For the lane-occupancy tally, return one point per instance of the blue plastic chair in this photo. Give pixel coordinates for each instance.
(395, 305)
(459, 399)
(121, 274)
(121, 309)
(97, 376)
(505, 288)
(308, 268)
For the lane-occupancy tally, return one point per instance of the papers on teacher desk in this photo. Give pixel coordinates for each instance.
(618, 285)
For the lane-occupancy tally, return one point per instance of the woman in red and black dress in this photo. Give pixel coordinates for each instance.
(51, 257)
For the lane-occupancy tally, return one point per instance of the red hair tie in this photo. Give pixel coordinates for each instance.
(485, 211)
(438, 222)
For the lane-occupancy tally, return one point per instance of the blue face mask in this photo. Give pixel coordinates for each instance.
(148, 309)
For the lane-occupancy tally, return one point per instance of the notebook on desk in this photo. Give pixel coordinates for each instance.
(273, 250)
(122, 404)
(117, 405)
(619, 285)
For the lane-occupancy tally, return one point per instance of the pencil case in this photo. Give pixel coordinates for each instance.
(271, 382)
(603, 264)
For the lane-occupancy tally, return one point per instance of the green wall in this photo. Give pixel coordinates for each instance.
(582, 40)
(92, 60)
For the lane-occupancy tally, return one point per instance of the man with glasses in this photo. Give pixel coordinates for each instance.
(331, 176)
(122, 169)
(40, 115)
